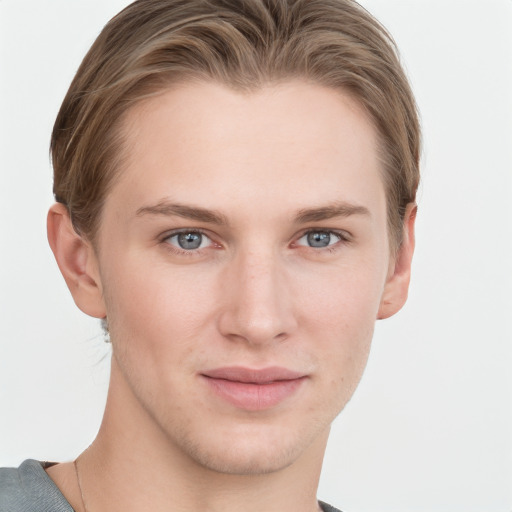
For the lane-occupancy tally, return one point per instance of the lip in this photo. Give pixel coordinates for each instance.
(254, 389)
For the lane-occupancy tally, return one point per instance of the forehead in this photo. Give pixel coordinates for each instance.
(296, 143)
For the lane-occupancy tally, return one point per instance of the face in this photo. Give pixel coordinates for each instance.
(242, 258)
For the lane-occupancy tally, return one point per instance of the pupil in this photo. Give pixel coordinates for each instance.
(189, 240)
(319, 239)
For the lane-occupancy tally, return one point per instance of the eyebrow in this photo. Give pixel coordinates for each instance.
(330, 211)
(187, 212)
(337, 209)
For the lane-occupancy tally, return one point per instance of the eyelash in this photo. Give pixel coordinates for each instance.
(343, 239)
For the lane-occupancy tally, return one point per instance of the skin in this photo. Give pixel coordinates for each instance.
(272, 166)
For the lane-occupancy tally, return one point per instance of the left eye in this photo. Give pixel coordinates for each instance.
(189, 240)
(319, 239)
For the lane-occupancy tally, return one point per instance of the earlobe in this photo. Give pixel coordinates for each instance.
(77, 262)
(397, 284)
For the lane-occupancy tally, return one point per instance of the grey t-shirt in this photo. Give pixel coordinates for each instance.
(29, 489)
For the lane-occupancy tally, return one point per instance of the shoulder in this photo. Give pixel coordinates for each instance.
(327, 508)
(29, 489)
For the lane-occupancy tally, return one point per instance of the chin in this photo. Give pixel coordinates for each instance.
(257, 460)
(250, 451)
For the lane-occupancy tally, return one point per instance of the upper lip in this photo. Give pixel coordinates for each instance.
(253, 376)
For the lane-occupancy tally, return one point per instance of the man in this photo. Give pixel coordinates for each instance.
(235, 186)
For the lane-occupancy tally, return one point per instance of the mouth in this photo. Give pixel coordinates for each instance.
(254, 389)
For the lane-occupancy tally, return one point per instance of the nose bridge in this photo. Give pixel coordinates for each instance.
(259, 308)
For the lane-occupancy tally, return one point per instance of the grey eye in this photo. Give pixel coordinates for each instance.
(189, 240)
(319, 239)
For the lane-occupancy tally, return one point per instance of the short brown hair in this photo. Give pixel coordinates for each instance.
(243, 44)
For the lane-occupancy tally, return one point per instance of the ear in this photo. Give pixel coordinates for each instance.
(77, 262)
(397, 283)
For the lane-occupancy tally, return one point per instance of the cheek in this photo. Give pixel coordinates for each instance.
(341, 310)
(345, 298)
(151, 306)
(157, 321)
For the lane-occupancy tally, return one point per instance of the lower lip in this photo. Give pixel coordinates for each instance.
(254, 397)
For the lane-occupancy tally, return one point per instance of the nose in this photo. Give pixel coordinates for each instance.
(257, 303)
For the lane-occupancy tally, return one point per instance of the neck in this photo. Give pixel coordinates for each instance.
(133, 466)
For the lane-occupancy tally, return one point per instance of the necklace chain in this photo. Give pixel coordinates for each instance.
(75, 463)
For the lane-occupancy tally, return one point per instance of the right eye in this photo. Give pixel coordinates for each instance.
(188, 240)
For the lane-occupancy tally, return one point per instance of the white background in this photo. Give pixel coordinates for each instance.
(430, 428)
